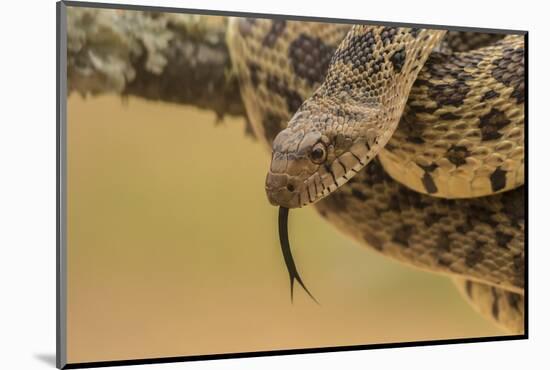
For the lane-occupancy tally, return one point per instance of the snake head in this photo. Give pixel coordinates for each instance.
(307, 165)
(296, 157)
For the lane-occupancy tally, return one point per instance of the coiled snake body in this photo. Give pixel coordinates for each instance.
(410, 140)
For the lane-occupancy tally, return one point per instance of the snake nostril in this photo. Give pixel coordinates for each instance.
(290, 187)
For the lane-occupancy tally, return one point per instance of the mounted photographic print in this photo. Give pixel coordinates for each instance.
(238, 184)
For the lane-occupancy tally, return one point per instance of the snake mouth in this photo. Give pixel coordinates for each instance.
(290, 192)
(282, 191)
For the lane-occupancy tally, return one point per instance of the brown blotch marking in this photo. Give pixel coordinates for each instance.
(337, 202)
(432, 218)
(376, 174)
(359, 51)
(415, 140)
(414, 109)
(449, 116)
(491, 94)
(480, 244)
(273, 124)
(509, 70)
(465, 227)
(498, 179)
(482, 214)
(394, 204)
(388, 34)
(429, 168)
(415, 31)
(276, 30)
(513, 300)
(390, 147)
(378, 64)
(398, 59)
(413, 129)
(443, 243)
(414, 199)
(475, 255)
(410, 124)
(292, 98)
(418, 200)
(514, 206)
(402, 235)
(310, 58)
(457, 155)
(254, 70)
(495, 308)
(429, 184)
(491, 123)
(405, 203)
(464, 41)
(419, 54)
(443, 67)
(449, 94)
(503, 239)
(359, 194)
(519, 262)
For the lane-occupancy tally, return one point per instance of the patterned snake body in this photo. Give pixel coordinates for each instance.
(396, 124)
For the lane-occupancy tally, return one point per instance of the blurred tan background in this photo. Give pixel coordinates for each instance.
(173, 249)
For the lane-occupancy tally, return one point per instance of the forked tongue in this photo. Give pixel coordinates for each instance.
(287, 254)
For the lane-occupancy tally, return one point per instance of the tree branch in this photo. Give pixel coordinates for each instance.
(175, 58)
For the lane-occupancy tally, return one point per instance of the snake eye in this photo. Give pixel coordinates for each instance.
(318, 153)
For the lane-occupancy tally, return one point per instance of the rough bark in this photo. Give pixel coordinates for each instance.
(176, 58)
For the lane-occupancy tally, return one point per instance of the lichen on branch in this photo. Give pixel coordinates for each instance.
(178, 58)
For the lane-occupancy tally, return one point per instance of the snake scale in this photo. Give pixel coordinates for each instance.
(409, 140)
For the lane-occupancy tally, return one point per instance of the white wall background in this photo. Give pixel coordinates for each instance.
(27, 185)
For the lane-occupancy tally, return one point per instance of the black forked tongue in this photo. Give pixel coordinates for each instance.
(287, 254)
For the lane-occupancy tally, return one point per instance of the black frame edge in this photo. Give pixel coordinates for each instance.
(162, 360)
